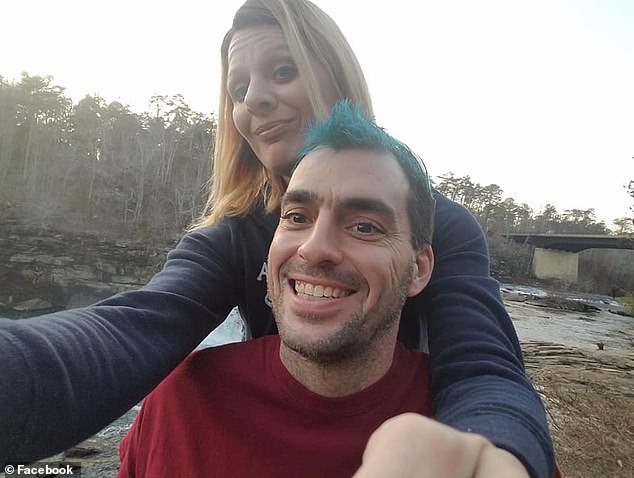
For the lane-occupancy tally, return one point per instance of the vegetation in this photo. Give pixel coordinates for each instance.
(101, 167)
(497, 215)
(630, 191)
(629, 302)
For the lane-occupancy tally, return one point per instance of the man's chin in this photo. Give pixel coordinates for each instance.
(320, 344)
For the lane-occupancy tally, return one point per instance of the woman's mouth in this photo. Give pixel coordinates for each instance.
(272, 129)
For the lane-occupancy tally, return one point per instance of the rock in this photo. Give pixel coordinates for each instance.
(32, 305)
(84, 449)
(21, 259)
(40, 263)
(620, 312)
(563, 303)
(515, 296)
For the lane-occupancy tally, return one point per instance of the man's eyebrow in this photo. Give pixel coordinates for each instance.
(299, 196)
(361, 203)
(368, 204)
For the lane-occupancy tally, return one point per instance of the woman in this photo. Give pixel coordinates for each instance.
(284, 61)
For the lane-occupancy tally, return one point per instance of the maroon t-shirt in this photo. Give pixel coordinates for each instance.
(236, 411)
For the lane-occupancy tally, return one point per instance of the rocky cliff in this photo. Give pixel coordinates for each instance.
(42, 269)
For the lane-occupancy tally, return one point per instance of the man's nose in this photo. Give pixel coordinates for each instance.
(323, 244)
(260, 97)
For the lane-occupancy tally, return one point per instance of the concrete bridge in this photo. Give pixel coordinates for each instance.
(556, 255)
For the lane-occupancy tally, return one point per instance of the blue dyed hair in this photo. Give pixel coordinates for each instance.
(349, 126)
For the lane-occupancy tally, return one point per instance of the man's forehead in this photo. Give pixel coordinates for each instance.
(331, 165)
(352, 178)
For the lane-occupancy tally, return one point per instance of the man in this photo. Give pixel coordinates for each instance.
(352, 244)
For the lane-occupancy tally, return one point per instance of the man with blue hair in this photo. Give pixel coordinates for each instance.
(346, 254)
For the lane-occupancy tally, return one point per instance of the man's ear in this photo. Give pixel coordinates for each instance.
(423, 267)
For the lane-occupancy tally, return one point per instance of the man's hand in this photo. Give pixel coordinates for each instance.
(413, 446)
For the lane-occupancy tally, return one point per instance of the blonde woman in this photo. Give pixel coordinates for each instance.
(67, 375)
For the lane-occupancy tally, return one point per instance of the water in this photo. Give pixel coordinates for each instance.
(233, 329)
(576, 329)
(532, 322)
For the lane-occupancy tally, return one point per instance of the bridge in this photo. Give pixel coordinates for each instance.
(573, 242)
(556, 255)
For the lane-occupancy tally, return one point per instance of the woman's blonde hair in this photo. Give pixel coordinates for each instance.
(239, 182)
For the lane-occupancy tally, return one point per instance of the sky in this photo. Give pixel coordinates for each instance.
(536, 96)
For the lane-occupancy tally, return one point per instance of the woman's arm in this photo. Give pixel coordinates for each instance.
(67, 375)
(478, 379)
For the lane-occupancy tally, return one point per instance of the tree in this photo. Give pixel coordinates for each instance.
(8, 130)
(449, 186)
(547, 220)
(487, 201)
(87, 136)
(34, 143)
(508, 216)
(580, 221)
(100, 164)
(624, 225)
(630, 190)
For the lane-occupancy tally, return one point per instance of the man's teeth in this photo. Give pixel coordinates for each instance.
(312, 290)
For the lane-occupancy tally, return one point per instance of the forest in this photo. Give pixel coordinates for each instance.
(98, 166)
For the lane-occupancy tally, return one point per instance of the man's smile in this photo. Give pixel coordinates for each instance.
(309, 289)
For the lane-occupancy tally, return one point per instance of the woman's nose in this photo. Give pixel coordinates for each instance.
(322, 244)
(259, 98)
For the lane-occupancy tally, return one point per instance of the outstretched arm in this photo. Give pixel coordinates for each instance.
(67, 375)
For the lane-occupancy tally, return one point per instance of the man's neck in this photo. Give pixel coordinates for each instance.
(343, 377)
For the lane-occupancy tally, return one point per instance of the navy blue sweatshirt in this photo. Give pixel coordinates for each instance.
(65, 376)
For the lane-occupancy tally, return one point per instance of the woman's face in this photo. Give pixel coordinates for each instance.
(270, 101)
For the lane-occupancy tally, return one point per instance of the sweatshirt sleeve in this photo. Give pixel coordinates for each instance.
(67, 375)
(478, 379)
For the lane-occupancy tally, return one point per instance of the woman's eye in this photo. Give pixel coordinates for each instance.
(238, 93)
(285, 73)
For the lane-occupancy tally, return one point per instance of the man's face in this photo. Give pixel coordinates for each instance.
(341, 262)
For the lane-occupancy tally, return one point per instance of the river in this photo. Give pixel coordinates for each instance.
(535, 322)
